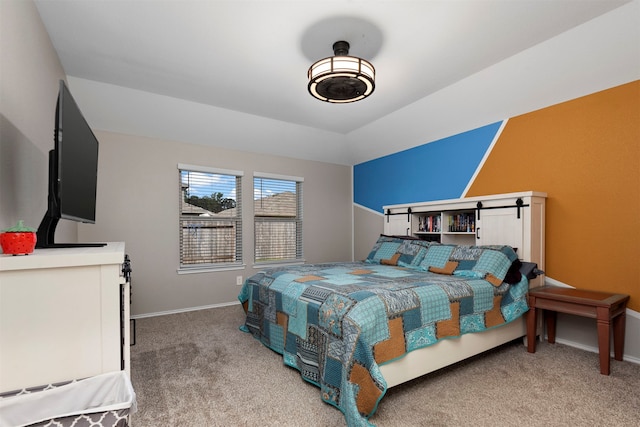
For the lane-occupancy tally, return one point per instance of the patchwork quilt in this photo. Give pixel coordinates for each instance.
(336, 323)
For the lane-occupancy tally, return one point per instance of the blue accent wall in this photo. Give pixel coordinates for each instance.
(435, 171)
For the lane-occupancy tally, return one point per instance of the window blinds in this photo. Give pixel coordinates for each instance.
(210, 217)
(277, 219)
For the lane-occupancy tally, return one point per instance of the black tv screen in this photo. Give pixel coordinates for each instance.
(77, 149)
(73, 172)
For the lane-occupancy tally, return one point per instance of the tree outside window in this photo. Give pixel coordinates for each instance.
(210, 217)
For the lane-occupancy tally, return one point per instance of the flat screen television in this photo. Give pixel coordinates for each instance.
(73, 173)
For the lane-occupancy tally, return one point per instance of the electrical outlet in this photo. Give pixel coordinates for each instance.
(239, 280)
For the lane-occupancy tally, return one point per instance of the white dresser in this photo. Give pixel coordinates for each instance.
(64, 314)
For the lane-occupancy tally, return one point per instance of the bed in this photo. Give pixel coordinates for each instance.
(356, 328)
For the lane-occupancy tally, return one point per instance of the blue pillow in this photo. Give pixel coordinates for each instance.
(398, 250)
(437, 259)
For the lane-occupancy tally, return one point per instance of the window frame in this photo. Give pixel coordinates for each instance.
(237, 220)
(299, 220)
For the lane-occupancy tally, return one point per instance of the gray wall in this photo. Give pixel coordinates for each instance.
(138, 204)
(367, 227)
(30, 71)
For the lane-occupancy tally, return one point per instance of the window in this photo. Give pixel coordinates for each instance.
(277, 204)
(210, 217)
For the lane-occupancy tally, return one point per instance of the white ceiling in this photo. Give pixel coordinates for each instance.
(252, 56)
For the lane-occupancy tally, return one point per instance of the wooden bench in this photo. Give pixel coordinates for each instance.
(607, 308)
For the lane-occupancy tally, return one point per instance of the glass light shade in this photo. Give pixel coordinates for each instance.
(341, 79)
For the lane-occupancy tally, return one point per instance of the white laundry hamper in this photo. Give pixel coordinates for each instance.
(105, 400)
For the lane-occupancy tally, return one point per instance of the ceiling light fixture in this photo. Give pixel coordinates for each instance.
(341, 78)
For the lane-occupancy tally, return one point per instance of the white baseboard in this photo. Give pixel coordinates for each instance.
(592, 349)
(184, 310)
(553, 282)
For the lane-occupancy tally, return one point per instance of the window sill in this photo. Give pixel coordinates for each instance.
(210, 269)
(259, 265)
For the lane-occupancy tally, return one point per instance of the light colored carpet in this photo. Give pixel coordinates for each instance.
(196, 369)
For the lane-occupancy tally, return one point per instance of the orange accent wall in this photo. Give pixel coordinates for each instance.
(585, 154)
